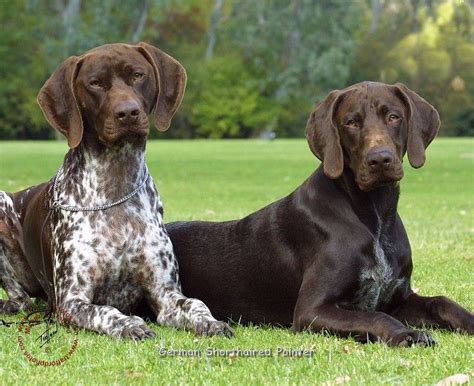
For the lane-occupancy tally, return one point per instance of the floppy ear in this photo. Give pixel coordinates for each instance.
(323, 137)
(170, 84)
(58, 102)
(423, 125)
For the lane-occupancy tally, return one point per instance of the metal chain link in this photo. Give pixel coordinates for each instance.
(57, 205)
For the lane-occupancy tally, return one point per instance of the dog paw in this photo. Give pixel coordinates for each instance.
(10, 307)
(135, 328)
(468, 326)
(212, 328)
(411, 338)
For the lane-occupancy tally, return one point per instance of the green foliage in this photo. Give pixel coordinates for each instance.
(21, 72)
(298, 50)
(464, 123)
(432, 51)
(439, 58)
(271, 62)
(226, 100)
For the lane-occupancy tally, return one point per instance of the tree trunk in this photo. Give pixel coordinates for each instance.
(377, 7)
(69, 15)
(291, 46)
(215, 19)
(140, 24)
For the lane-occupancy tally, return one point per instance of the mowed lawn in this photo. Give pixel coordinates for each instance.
(220, 180)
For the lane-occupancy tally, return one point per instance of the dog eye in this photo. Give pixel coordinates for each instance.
(393, 117)
(351, 123)
(95, 83)
(138, 75)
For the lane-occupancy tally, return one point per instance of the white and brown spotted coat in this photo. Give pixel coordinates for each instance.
(105, 263)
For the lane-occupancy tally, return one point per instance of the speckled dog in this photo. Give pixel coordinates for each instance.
(92, 240)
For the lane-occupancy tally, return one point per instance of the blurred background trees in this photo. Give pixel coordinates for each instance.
(253, 66)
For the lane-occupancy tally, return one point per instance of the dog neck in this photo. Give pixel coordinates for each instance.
(384, 198)
(115, 169)
(376, 208)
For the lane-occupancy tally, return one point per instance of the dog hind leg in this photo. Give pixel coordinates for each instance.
(10, 250)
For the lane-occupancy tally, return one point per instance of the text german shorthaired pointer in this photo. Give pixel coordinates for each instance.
(334, 254)
(92, 239)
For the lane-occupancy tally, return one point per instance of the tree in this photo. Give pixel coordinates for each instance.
(298, 50)
(22, 71)
(431, 50)
(252, 65)
(215, 19)
(226, 101)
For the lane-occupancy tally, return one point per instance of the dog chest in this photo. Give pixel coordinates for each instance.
(126, 235)
(376, 280)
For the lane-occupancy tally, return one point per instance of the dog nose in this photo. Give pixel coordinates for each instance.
(127, 111)
(379, 159)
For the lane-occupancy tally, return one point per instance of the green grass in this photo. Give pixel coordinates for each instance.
(219, 180)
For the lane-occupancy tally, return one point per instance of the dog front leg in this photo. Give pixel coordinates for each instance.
(171, 307)
(105, 319)
(176, 310)
(363, 326)
(313, 312)
(435, 311)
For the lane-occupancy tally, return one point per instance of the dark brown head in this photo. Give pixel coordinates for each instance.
(111, 90)
(369, 127)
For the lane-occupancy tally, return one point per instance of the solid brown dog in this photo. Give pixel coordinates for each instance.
(333, 255)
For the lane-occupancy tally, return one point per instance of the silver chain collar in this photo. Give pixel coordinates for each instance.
(57, 205)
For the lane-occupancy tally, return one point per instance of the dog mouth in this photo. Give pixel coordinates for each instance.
(369, 180)
(113, 132)
(142, 130)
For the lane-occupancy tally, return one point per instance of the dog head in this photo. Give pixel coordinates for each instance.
(111, 90)
(369, 127)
